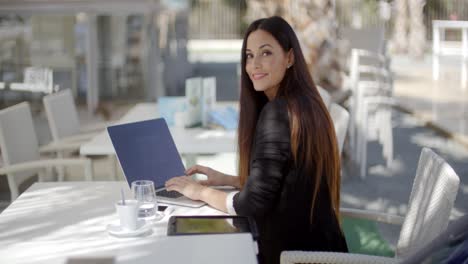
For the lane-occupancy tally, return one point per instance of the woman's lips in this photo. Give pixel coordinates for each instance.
(258, 76)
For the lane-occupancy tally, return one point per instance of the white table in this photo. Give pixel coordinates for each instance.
(188, 141)
(438, 47)
(51, 222)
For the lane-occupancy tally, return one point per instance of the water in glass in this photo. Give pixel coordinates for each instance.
(145, 194)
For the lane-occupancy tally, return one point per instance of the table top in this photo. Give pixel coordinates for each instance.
(51, 222)
(450, 23)
(188, 141)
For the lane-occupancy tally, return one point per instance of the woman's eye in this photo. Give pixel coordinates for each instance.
(266, 53)
(249, 56)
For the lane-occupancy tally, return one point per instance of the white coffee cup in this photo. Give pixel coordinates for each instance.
(128, 214)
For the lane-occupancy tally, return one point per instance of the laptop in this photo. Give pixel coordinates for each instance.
(146, 151)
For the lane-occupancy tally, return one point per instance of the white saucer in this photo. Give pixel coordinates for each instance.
(156, 217)
(115, 229)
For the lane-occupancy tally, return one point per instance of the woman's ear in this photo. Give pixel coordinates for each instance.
(290, 58)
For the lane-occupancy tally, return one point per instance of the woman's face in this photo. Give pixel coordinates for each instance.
(266, 62)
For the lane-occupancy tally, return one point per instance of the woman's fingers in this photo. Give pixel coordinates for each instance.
(173, 181)
(178, 181)
(185, 185)
(170, 186)
(192, 170)
(204, 182)
(197, 169)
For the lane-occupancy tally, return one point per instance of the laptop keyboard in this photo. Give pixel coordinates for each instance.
(169, 194)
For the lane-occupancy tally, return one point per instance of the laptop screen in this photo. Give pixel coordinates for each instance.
(146, 151)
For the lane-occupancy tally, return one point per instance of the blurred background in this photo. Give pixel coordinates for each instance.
(139, 50)
(113, 54)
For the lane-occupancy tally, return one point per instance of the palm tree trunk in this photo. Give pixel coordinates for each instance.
(417, 33)
(315, 24)
(400, 39)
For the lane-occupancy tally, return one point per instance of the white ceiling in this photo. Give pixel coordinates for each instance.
(74, 6)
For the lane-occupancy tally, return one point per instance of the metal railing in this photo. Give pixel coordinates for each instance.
(224, 19)
(215, 19)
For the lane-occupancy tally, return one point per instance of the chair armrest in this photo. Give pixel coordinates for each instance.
(381, 100)
(369, 69)
(50, 163)
(80, 137)
(366, 87)
(370, 54)
(60, 146)
(99, 127)
(374, 216)
(340, 96)
(292, 257)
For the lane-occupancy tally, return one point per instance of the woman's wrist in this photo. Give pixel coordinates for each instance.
(203, 193)
(214, 198)
(232, 181)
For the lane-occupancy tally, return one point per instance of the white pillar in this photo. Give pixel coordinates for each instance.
(151, 59)
(92, 75)
(435, 51)
(464, 72)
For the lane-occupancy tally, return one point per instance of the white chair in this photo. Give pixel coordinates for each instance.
(375, 123)
(371, 38)
(63, 118)
(67, 133)
(431, 200)
(340, 117)
(326, 97)
(442, 48)
(369, 76)
(20, 149)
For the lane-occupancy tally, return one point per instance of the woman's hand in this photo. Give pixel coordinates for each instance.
(186, 186)
(215, 178)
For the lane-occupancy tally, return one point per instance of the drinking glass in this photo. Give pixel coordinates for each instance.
(145, 194)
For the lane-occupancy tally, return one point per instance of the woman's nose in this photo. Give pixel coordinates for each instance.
(257, 63)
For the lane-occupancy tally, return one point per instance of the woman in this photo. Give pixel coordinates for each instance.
(289, 162)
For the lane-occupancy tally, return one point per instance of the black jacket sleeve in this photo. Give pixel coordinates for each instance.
(270, 157)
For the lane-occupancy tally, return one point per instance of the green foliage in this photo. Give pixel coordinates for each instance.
(242, 4)
(434, 6)
(363, 237)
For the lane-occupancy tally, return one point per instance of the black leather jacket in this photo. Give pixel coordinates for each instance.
(279, 196)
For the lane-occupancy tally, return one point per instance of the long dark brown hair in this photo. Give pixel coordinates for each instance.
(313, 140)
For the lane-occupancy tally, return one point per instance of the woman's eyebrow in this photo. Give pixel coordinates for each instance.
(261, 46)
(264, 45)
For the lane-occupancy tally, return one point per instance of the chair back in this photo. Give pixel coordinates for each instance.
(326, 97)
(431, 201)
(340, 117)
(371, 39)
(18, 141)
(61, 114)
(370, 75)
